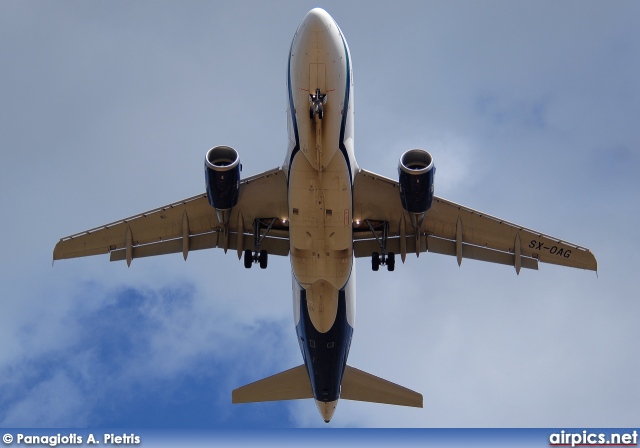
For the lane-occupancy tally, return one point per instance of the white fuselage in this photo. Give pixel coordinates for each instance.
(320, 167)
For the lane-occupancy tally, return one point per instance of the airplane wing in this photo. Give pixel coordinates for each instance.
(191, 224)
(451, 229)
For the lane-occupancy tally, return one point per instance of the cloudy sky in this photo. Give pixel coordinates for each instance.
(530, 109)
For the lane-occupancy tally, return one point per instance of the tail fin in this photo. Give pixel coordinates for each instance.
(291, 384)
(362, 386)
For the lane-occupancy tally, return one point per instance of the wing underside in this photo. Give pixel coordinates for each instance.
(452, 229)
(191, 224)
(448, 228)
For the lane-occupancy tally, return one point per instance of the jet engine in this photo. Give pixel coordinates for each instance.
(416, 172)
(222, 172)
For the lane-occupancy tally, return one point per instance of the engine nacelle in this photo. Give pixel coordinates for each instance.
(222, 172)
(416, 172)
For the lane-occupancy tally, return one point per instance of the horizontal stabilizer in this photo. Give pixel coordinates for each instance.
(362, 386)
(292, 384)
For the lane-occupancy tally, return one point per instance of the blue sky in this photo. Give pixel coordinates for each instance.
(529, 109)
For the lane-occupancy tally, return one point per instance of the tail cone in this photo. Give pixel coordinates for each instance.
(327, 409)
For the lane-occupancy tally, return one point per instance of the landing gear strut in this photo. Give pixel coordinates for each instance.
(317, 100)
(258, 255)
(377, 259)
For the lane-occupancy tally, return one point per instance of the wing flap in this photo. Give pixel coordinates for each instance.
(365, 247)
(211, 240)
(448, 247)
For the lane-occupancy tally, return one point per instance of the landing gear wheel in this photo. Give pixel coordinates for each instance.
(375, 261)
(248, 259)
(391, 261)
(321, 112)
(311, 113)
(263, 259)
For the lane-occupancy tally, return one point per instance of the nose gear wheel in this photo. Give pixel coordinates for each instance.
(317, 100)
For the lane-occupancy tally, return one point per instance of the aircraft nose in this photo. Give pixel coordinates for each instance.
(317, 20)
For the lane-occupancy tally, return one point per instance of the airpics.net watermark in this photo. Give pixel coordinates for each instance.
(591, 438)
(71, 439)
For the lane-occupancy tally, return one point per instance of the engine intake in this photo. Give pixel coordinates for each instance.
(416, 172)
(222, 172)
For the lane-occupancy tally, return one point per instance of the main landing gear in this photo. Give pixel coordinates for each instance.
(258, 255)
(388, 259)
(383, 258)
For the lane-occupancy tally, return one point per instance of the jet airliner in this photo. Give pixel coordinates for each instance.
(323, 211)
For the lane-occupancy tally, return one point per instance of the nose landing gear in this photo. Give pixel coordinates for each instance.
(317, 101)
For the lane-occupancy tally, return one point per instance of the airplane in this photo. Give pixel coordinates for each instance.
(323, 211)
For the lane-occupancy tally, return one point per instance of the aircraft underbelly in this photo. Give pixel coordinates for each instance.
(320, 229)
(320, 168)
(324, 352)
